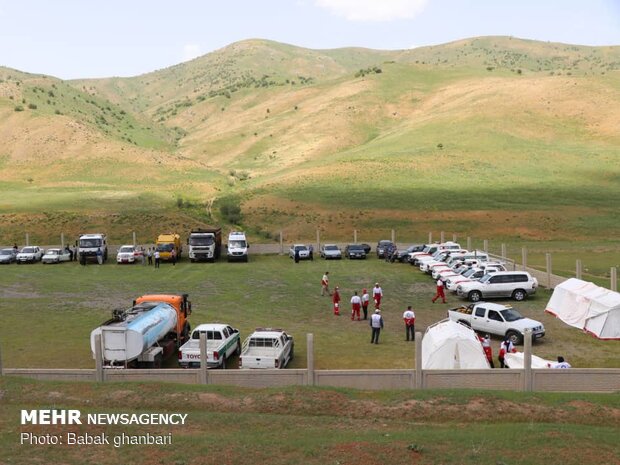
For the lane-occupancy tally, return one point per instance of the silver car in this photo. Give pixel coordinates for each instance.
(7, 256)
(331, 252)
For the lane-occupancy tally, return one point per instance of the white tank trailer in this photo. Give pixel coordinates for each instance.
(138, 335)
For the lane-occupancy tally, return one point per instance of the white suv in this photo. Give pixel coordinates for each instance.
(515, 284)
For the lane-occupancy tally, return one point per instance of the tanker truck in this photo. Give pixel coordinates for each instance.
(146, 334)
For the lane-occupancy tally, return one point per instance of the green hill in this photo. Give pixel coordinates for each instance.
(493, 136)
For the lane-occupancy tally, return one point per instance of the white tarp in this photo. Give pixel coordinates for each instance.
(587, 306)
(515, 360)
(450, 345)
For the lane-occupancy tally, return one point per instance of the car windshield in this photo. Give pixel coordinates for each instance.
(510, 314)
(356, 247)
(469, 272)
(28, 250)
(201, 240)
(126, 250)
(237, 244)
(384, 243)
(53, 252)
(485, 278)
(300, 247)
(165, 247)
(6, 252)
(331, 247)
(85, 243)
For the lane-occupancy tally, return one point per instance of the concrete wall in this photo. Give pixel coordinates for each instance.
(573, 380)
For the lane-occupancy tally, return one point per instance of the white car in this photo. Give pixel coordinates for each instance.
(301, 249)
(127, 254)
(30, 254)
(56, 256)
(515, 284)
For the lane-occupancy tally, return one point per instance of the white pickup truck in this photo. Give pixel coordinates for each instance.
(222, 342)
(497, 319)
(267, 348)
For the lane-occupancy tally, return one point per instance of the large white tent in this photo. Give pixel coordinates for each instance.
(587, 306)
(450, 345)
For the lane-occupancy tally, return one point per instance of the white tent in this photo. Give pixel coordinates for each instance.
(450, 345)
(587, 306)
(516, 360)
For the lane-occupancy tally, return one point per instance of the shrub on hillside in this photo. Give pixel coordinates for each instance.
(19, 108)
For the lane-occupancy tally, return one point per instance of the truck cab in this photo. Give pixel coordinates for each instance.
(88, 244)
(166, 243)
(204, 244)
(237, 247)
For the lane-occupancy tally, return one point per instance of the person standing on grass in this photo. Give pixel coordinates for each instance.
(336, 301)
(409, 317)
(505, 347)
(173, 256)
(311, 250)
(486, 346)
(99, 256)
(440, 292)
(356, 304)
(149, 256)
(325, 284)
(377, 294)
(376, 325)
(365, 300)
(156, 254)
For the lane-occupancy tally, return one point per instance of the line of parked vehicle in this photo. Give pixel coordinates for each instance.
(471, 275)
(384, 249)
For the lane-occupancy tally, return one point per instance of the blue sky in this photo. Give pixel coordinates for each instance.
(80, 39)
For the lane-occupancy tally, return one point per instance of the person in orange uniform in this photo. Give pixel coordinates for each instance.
(336, 301)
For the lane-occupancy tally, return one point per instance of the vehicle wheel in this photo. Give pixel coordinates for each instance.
(474, 296)
(515, 337)
(157, 362)
(466, 323)
(519, 295)
(223, 362)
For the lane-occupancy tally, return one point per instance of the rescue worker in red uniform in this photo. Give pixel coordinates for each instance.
(486, 346)
(356, 305)
(377, 293)
(440, 292)
(336, 301)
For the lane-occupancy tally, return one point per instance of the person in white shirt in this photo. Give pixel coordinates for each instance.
(356, 304)
(325, 284)
(377, 294)
(561, 363)
(440, 292)
(409, 317)
(376, 323)
(365, 300)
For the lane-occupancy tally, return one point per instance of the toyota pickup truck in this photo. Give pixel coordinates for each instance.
(267, 348)
(222, 342)
(497, 319)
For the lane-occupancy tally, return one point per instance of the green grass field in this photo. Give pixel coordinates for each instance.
(48, 311)
(229, 425)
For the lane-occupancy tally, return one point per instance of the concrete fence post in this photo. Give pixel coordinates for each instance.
(524, 257)
(355, 236)
(430, 237)
(134, 239)
(485, 246)
(98, 359)
(310, 355)
(614, 279)
(442, 237)
(27, 239)
(468, 243)
(548, 264)
(281, 244)
(578, 269)
(527, 360)
(453, 237)
(393, 236)
(62, 241)
(204, 377)
(1, 369)
(419, 375)
(318, 240)
(504, 254)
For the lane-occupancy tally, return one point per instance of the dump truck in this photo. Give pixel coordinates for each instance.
(205, 244)
(145, 334)
(166, 243)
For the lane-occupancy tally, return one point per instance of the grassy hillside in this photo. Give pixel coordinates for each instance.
(495, 137)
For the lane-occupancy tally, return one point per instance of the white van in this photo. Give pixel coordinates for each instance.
(237, 247)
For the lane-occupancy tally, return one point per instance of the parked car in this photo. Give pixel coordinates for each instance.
(497, 319)
(402, 255)
(301, 249)
(267, 348)
(222, 343)
(331, 251)
(382, 247)
(56, 256)
(355, 251)
(515, 284)
(7, 255)
(127, 254)
(30, 254)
